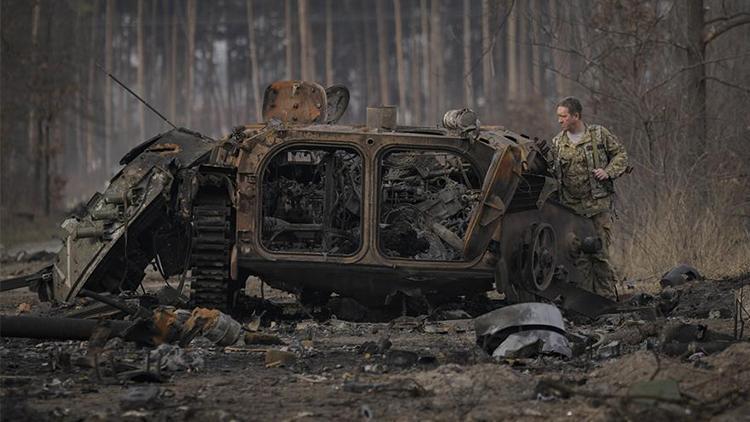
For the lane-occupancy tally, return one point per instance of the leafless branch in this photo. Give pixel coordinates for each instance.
(712, 32)
(725, 18)
(686, 68)
(729, 84)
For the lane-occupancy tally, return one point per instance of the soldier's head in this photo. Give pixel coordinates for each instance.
(569, 112)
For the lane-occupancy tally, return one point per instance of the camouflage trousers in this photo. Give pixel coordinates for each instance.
(599, 276)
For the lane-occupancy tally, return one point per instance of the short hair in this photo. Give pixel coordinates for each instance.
(572, 104)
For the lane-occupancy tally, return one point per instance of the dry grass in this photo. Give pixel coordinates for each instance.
(666, 225)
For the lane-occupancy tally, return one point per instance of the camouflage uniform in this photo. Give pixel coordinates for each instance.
(573, 165)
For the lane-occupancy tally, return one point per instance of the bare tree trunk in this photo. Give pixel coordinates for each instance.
(437, 92)
(140, 72)
(79, 107)
(254, 77)
(696, 53)
(305, 42)
(368, 55)
(46, 188)
(329, 44)
(288, 38)
(218, 119)
(382, 54)
(156, 83)
(560, 17)
(232, 93)
(416, 81)
(91, 89)
(190, 61)
(400, 66)
(108, 118)
(31, 137)
(426, 60)
(358, 79)
(468, 83)
(173, 63)
(512, 55)
(121, 101)
(487, 69)
(523, 50)
(165, 67)
(536, 54)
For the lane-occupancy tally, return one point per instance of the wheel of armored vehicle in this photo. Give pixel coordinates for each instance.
(539, 260)
(533, 268)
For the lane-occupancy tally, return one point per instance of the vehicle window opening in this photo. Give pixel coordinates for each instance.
(426, 200)
(312, 199)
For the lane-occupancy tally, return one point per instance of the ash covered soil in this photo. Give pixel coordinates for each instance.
(433, 370)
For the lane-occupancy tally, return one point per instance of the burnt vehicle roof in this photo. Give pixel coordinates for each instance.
(407, 131)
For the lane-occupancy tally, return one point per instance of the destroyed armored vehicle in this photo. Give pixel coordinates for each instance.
(372, 213)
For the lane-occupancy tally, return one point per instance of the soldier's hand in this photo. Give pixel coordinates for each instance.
(600, 174)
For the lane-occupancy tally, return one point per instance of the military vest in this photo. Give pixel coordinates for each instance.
(596, 155)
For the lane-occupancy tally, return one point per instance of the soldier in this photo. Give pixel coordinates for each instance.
(586, 158)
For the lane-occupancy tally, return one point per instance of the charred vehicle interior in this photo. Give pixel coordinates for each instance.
(312, 200)
(426, 199)
(307, 205)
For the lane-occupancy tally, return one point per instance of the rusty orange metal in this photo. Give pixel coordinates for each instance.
(295, 102)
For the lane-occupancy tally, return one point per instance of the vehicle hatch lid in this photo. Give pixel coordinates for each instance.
(499, 185)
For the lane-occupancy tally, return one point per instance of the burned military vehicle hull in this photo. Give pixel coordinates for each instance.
(368, 212)
(142, 216)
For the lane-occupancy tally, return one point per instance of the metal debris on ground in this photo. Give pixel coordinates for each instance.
(215, 325)
(141, 397)
(680, 275)
(609, 350)
(531, 343)
(524, 329)
(150, 328)
(175, 358)
(32, 281)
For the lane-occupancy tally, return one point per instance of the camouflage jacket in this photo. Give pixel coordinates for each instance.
(573, 165)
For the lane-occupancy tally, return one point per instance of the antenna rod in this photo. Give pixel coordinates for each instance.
(135, 95)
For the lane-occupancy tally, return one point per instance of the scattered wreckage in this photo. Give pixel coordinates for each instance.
(523, 329)
(382, 213)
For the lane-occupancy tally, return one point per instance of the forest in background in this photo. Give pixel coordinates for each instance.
(670, 78)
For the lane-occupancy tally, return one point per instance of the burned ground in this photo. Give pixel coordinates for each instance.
(411, 368)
